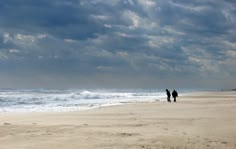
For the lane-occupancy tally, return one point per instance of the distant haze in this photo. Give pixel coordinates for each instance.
(118, 44)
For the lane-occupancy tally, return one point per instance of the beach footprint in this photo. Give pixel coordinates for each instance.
(224, 142)
(127, 134)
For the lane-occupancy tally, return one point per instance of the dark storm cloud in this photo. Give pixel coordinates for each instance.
(196, 18)
(82, 40)
(62, 19)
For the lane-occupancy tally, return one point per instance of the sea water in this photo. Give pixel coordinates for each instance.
(46, 100)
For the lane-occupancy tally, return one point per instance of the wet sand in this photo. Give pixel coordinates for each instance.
(196, 121)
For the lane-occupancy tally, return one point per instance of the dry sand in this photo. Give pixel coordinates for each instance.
(196, 121)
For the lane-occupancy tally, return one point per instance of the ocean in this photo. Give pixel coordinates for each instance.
(47, 100)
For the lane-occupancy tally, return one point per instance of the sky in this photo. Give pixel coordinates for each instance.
(118, 44)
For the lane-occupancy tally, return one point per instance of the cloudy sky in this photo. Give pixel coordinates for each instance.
(117, 44)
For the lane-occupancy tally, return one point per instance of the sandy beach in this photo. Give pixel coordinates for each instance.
(196, 121)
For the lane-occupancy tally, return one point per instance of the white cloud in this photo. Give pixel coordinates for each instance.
(40, 57)
(205, 61)
(41, 36)
(94, 2)
(6, 37)
(108, 25)
(123, 34)
(196, 8)
(123, 54)
(231, 53)
(158, 41)
(22, 39)
(138, 22)
(104, 53)
(3, 56)
(104, 68)
(13, 51)
(99, 17)
(207, 66)
(230, 62)
(229, 45)
(131, 2)
(69, 40)
(173, 31)
(133, 17)
(147, 3)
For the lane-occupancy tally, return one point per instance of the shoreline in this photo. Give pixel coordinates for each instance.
(197, 120)
(70, 100)
(92, 107)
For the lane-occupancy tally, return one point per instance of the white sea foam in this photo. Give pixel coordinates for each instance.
(73, 99)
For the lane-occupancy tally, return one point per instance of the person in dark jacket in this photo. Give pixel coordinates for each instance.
(168, 95)
(174, 95)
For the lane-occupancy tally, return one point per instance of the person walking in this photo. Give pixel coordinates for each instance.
(168, 95)
(174, 95)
